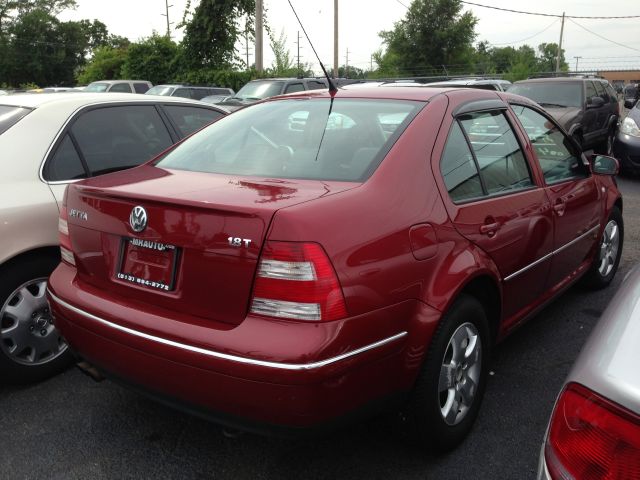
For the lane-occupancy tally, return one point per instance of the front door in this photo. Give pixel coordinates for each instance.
(572, 191)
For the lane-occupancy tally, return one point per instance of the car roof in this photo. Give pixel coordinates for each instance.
(79, 99)
(418, 93)
(120, 81)
(559, 79)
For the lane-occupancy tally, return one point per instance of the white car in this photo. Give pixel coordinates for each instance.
(46, 142)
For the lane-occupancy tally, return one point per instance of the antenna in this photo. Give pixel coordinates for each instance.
(332, 86)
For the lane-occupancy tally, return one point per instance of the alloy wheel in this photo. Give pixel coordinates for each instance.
(609, 246)
(27, 333)
(460, 373)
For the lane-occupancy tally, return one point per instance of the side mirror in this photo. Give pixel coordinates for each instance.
(595, 102)
(629, 104)
(604, 165)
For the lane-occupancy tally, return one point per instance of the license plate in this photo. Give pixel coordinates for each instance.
(148, 263)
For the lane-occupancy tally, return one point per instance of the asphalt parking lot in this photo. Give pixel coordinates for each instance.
(70, 427)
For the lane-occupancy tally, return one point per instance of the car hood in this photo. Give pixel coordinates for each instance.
(564, 116)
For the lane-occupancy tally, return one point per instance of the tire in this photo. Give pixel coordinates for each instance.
(606, 147)
(438, 413)
(609, 250)
(31, 349)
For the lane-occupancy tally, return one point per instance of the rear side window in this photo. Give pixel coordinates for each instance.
(591, 91)
(10, 115)
(182, 92)
(65, 163)
(140, 87)
(115, 138)
(344, 139)
(120, 88)
(502, 164)
(294, 87)
(190, 119)
(458, 168)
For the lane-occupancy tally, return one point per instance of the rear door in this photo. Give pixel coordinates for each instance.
(496, 202)
(572, 190)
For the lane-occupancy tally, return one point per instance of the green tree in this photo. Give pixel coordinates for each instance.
(282, 62)
(106, 64)
(211, 34)
(433, 33)
(151, 59)
(547, 53)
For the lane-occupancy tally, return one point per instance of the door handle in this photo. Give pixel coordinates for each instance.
(559, 208)
(489, 229)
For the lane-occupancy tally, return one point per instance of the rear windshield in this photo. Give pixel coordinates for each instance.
(306, 139)
(10, 115)
(260, 90)
(550, 94)
(97, 87)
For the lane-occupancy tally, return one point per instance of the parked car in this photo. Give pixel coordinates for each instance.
(630, 95)
(485, 83)
(316, 255)
(119, 86)
(215, 99)
(626, 147)
(587, 108)
(257, 90)
(594, 431)
(47, 142)
(189, 91)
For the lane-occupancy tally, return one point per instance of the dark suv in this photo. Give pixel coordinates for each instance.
(587, 108)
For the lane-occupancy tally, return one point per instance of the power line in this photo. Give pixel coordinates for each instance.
(402, 4)
(528, 38)
(603, 38)
(544, 14)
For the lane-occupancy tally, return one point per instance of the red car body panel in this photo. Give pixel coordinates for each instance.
(401, 249)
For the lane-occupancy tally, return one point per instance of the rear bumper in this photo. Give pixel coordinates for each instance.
(627, 150)
(302, 375)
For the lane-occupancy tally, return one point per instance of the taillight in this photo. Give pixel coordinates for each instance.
(66, 252)
(297, 281)
(592, 438)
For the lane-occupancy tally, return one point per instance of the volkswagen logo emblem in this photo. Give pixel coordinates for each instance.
(138, 219)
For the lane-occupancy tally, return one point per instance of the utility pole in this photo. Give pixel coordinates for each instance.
(371, 63)
(259, 12)
(346, 68)
(167, 7)
(246, 45)
(560, 45)
(335, 38)
(298, 44)
(577, 58)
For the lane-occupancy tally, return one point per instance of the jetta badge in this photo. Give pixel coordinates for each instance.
(138, 219)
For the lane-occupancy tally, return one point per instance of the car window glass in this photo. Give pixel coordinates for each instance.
(115, 138)
(190, 119)
(554, 149)
(294, 87)
(502, 164)
(591, 90)
(315, 85)
(340, 139)
(613, 96)
(65, 163)
(182, 92)
(140, 87)
(120, 88)
(600, 91)
(199, 93)
(459, 170)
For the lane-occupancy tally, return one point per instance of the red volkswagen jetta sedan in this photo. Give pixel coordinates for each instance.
(318, 255)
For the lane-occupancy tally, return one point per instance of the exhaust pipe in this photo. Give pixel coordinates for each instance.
(90, 371)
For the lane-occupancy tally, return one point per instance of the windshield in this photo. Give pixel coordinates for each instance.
(97, 87)
(10, 115)
(343, 139)
(160, 90)
(550, 93)
(259, 90)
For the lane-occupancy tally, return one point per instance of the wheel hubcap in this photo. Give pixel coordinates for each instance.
(27, 333)
(460, 373)
(609, 248)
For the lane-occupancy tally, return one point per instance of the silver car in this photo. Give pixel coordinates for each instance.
(46, 142)
(594, 431)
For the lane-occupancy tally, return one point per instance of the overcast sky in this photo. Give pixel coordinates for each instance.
(361, 20)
